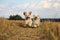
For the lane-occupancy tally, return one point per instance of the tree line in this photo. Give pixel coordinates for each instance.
(18, 17)
(15, 17)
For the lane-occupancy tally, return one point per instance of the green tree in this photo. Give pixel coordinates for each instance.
(15, 17)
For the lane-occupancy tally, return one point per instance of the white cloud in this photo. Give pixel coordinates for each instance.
(39, 5)
(29, 5)
(23, 6)
(2, 6)
(57, 0)
(44, 4)
(56, 5)
(47, 4)
(49, 0)
(4, 10)
(26, 5)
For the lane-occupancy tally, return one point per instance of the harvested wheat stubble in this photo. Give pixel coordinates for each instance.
(12, 30)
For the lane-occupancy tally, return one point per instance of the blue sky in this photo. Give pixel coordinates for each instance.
(45, 8)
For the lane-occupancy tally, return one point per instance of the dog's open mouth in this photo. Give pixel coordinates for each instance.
(27, 18)
(35, 18)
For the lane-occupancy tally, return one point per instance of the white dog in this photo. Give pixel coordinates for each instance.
(28, 20)
(36, 20)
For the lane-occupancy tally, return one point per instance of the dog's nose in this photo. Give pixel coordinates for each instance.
(35, 18)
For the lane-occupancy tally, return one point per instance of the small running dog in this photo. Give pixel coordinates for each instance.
(36, 20)
(28, 20)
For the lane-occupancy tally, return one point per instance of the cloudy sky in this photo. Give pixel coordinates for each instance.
(45, 8)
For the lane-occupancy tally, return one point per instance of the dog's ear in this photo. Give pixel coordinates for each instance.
(30, 12)
(24, 13)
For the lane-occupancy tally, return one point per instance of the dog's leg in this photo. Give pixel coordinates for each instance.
(25, 23)
(35, 25)
(30, 23)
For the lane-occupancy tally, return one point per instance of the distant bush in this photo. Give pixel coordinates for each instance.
(15, 17)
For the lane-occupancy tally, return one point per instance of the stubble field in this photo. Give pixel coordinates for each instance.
(14, 30)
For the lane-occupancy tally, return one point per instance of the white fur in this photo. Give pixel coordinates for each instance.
(28, 21)
(36, 22)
